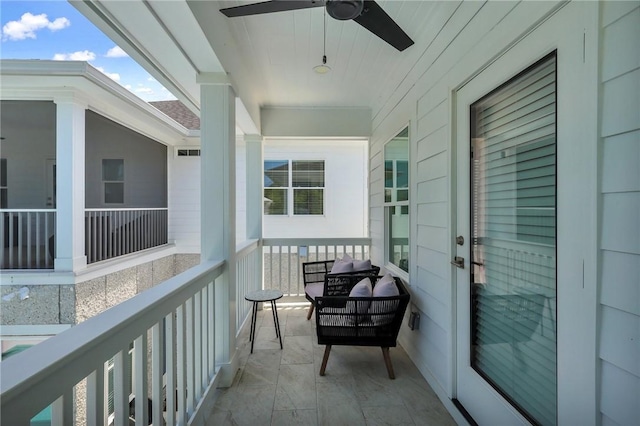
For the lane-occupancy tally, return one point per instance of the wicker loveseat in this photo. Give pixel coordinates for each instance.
(319, 281)
(360, 321)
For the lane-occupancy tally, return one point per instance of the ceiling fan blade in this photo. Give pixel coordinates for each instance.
(376, 20)
(270, 7)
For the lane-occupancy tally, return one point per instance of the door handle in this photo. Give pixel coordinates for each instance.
(458, 262)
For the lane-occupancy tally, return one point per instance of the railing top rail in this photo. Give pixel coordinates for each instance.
(70, 356)
(27, 210)
(316, 241)
(128, 209)
(246, 246)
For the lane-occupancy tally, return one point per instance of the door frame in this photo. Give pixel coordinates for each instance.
(572, 30)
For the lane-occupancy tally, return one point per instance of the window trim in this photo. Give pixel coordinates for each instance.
(290, 189)
(387, 205)
(105, 182)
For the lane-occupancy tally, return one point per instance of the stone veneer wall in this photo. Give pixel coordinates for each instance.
(99, 294)
(69, 304)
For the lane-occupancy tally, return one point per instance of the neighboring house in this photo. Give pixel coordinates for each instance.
(523, 123)
(115, 154)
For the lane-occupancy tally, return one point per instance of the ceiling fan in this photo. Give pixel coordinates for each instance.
(365, 12)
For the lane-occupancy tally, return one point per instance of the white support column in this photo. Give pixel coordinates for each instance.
(218, 208)
(70, 184)
(255, 181)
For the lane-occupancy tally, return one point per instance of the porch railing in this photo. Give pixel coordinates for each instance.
(170, 330)
(248, 277)
(26, 238)
(116, 232)
(283, 258)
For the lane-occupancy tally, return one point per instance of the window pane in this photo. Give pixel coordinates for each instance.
(3, 172)
(4, 201)
(308, 201)
(396, 196)
(398, 220)
(276, 174)
(275, 202)
(388, 174)
(402, 173)
(113, 170)
(513, 171)
(308, 174)
(113, 193)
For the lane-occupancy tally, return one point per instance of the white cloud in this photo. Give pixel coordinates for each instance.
(144, 90)
(112, 75)
(128, 87)
(81, 55)
(28, 24)
(151, 79)
(116, 52)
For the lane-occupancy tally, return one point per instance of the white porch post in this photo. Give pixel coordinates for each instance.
(218, 208)
(70, 183)
(254, 185)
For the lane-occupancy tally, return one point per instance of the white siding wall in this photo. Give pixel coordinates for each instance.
(345, 189)
(241, 193)
(184, 202)
(619, 343)
(475, 33)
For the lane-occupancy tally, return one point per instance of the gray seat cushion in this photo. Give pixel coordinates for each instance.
(314, 290)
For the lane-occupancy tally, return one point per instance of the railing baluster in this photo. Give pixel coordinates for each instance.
(96, 413)
(181, 367)
(28, 242)
(11, 263)
(204, 374)
(140, 354)
(212, 330)
(189, 364)
(121, 387)
(197, 350)
(170, 362)
(38, 237)
(62, 409)
(157, 366)
(46, 234)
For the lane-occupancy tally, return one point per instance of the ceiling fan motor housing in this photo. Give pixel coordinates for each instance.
(344, 10)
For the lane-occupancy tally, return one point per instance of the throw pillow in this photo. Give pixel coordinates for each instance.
(362, 289)
(361, 265)
(383, 311)
(341, 267)
(386, 287)
(347, 258)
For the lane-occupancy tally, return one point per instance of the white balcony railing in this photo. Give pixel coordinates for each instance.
(116, 232)
(283, 258)
(26, 238)
(248, 277)
(169, 330)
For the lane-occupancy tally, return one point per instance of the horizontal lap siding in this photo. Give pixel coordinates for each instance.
(184, 203)
(464, 37)
(619, 341)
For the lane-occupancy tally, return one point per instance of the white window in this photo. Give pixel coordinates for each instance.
(113, 180)
(396, 200)
(294, 187)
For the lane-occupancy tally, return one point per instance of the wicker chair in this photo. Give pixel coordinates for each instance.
(319, 281)
(360, 321)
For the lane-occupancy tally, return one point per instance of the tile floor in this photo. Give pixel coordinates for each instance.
(283, 387)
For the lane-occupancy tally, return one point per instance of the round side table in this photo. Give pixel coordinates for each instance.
(264, 296)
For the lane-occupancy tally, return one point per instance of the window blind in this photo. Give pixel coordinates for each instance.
(514, 235)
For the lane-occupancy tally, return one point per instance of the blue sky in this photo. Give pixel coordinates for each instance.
(56, 30)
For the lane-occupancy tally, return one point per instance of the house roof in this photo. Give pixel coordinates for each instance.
(178, 112)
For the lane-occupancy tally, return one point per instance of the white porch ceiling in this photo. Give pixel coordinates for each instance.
(270, 57)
